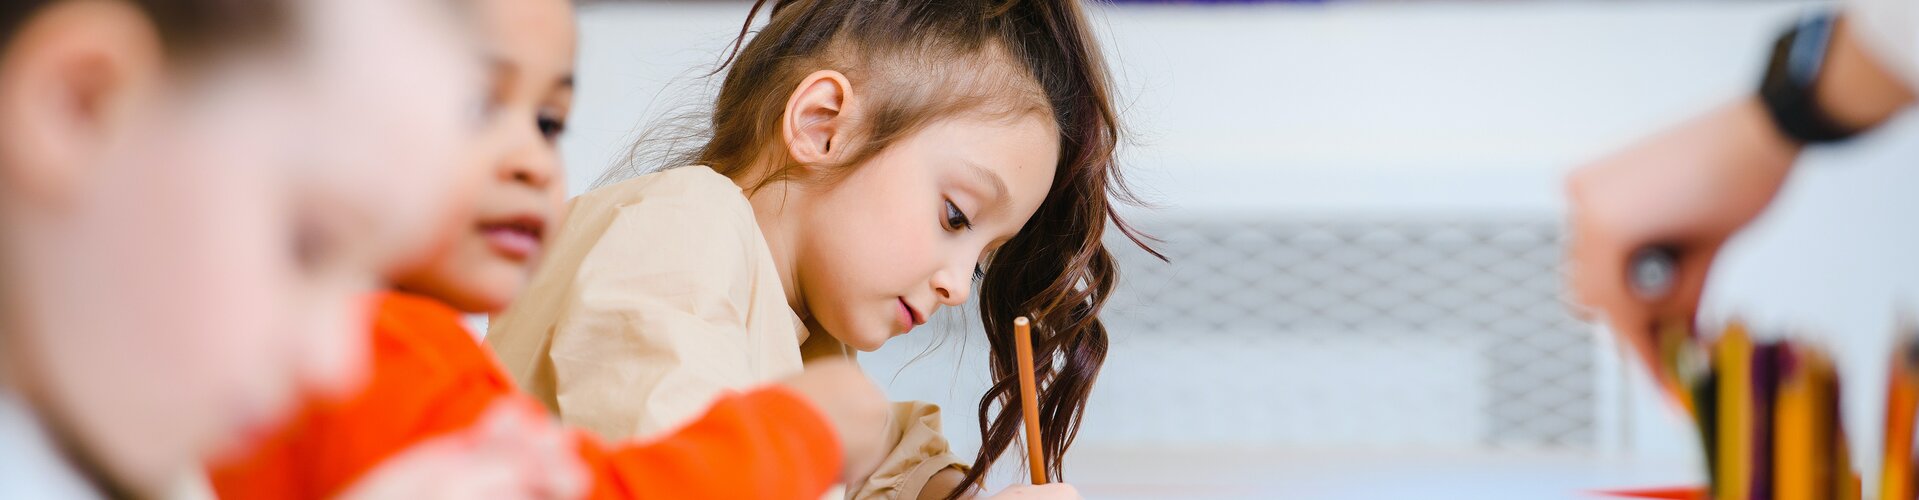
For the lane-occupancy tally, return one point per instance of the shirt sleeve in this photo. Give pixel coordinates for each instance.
(769, 443)
(653, 324)
(919, 452)
(426, 378)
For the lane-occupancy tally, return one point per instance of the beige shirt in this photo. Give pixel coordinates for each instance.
(657, 294)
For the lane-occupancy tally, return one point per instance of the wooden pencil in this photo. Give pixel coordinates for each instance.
(1733, 478)
(1902, 402)
(1029, 398)
(1803, 436)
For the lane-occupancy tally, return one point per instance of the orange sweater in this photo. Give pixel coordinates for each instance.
(429, 377)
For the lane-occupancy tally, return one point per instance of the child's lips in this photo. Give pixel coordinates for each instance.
(908, 317)
(904, 320)
(516, 238)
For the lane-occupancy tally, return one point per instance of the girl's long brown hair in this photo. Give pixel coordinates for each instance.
(918, 61)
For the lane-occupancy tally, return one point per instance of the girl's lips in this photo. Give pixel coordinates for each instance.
(907, 319)
(516, 238)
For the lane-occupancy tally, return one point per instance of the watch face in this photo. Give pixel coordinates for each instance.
(1805, 51)
(1787, 90)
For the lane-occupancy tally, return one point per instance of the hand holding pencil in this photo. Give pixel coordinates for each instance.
(1681, 193)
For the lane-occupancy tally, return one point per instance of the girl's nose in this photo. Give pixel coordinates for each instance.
(531, 176)
(953, 284)
(530, 165)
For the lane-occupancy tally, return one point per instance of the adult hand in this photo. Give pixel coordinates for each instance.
(1686, 189)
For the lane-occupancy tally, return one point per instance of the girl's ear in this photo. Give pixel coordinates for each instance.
(815, 125)
(69, 80)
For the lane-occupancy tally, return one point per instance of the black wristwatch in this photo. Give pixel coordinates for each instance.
(1787, 90)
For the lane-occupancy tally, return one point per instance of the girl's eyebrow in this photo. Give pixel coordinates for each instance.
(992, 179)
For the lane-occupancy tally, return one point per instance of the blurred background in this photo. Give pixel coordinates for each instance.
(1362, 204)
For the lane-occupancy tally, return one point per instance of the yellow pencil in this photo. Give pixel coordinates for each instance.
(1848, 483)
(1029, 398)
(1733, 479)
(1802, 430)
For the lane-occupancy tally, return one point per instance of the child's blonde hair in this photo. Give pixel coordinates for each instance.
(919, 62)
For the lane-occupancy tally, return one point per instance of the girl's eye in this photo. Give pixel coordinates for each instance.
(955, 219)
(979, 274)
(550, 126)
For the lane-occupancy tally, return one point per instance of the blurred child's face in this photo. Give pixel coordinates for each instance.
(175, 272)
(497, 246)
(400, 90)
(902, 235)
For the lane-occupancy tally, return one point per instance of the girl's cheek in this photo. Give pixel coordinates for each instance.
(912, 238)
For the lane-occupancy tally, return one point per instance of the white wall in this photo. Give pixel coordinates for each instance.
(1443, 105)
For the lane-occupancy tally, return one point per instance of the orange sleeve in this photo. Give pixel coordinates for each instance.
(769, 443)
(426, 377)
(270, 469)
(429, 378)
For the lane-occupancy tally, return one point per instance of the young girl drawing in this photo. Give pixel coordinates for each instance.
(871, 161)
